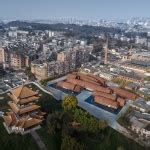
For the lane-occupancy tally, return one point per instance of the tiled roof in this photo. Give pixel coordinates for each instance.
(23, 92)
(31, 122)
(11, 120)
(22, 110)
(28, 109)
(7, 119)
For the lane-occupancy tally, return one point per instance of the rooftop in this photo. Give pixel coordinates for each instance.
(142, 104)
(22, 92)
(144, 54)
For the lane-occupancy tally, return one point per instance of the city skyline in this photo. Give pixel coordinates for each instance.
(93, 10)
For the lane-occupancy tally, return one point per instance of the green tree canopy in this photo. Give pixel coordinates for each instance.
(147, 97)
(69, 143)
(120, 148)
(69, 103)
(147, 78)
(57, 121)
(88, 122)
(29, 73)
(54, 122)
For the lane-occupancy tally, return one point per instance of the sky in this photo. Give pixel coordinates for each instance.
(80, 9)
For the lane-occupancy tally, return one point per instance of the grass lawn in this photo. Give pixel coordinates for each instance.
(109, 139)
(123, 119)
(47, 102)
(15, 142)
(52, 142)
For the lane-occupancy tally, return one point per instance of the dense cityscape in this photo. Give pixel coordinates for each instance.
(74, 84)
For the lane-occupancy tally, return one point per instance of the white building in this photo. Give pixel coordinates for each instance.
(141, 127)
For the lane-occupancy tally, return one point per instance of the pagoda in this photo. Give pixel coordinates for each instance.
(24, 115)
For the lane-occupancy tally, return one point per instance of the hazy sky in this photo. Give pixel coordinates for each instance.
(81, 9)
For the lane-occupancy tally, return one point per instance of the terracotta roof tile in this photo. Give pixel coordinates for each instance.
(23, 92)
(30, 122)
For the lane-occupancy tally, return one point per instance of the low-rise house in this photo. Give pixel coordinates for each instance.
(141, 105)
(106, 76)
(133, 86)
(140, 124)
(39, 70)
(129, 77)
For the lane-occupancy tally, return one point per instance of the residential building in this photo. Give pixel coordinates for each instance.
(58, 68)
(39, 70)
(18, 61)
(140, 124)
(61, 56)
(2, 56)
(45, 48)
(141, 105)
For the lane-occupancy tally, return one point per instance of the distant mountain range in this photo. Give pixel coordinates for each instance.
(71, 29)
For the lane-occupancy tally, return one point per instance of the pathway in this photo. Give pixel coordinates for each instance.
(38, 140)
(93, 110)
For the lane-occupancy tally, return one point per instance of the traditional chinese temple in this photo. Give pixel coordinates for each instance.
(24, 115)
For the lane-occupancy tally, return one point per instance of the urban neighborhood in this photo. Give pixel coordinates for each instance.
(75, 84)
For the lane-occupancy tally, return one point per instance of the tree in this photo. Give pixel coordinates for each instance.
(54, 122)
(69, 143)
(57, 121)
(148, 69)
(69, 103)
(29, 73)
(2, 72)
(147, 78)
(88, 122)
(102, 124)
(147, 97)
(120, 148)
(122, 83)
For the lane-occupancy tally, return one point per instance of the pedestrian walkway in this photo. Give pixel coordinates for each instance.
(56, 80)
(38, 140)
(83, 95)
(123, 110)
(93, 110)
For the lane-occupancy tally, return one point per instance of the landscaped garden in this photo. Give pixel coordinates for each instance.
(13, 141)
(123, 119)
(67, 127)
(87, 133)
